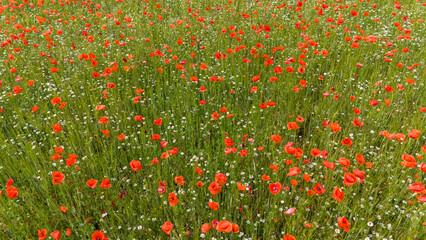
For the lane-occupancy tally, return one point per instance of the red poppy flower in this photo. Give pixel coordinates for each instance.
(343, 223)
(167, 227)
(275, 188)
(91, 183)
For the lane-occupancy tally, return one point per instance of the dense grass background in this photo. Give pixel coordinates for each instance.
(381, 207)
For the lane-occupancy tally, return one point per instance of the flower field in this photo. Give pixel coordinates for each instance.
(225, 119)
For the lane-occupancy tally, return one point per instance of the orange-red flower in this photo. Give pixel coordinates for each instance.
(173, 200)
(56, 235)
(200, 184)
(338, 194)
(91, 183)
(241, 187)
(103, 120)
(58, 177)
(167, 227)
(63, 209)
(214, 188)
(98, 235)
(347, 141)
(265, 178)
(344, 162)
(289, 237)
(199, 171)
(57, 128)
(205, 227)
(343, 223)
(235, 228)
(229, 142)
(409, 161)
(105, 184)
(417, 187)
(294, 171)
(135, 165)
(12, 192)
(213, 206)
(315, 152)
(292, 126)
(319, 189)
(275, 188)
(179, 180)
(224, 226)
(335, 127)
(329, 165)
(158, 121)
(55, 100)
(350, 179)
(276, 138)
(220, 178)
(42, 234)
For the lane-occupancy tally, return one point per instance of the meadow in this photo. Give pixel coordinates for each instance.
(221, 119)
